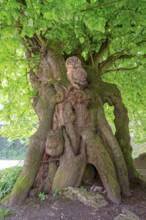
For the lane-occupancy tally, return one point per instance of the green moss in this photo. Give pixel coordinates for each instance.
(25, 180)
(28, 174)
(5, 200)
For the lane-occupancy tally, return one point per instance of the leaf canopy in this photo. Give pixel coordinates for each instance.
(111, 34)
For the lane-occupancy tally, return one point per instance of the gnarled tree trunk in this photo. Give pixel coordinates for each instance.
(72, 133)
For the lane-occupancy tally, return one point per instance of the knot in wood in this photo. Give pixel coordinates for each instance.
(54, 143)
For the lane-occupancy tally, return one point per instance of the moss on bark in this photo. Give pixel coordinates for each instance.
(87, 137)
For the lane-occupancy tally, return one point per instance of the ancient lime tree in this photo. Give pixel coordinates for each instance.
(70, 124)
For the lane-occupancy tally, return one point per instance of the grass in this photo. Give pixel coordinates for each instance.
(4, 213)
(7, 179)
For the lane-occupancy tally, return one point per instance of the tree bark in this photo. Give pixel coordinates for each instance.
(111, 95)
(115, 149)
(36, 147)
(73, 132)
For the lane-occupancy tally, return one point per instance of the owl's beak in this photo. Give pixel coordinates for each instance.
(74, 64)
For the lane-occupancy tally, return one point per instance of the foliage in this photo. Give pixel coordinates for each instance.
(70, 26)
(110, 116)
(7, 179)
(42, 196)
(4, 212)
(138, 149)
(11, 149)
(133, 90)
(56, 192)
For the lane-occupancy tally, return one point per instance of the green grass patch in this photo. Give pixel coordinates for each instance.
(7, 179)
(4, 213)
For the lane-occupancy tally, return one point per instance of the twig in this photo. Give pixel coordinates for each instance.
(101, 51)
(121, 69)
(99, 6)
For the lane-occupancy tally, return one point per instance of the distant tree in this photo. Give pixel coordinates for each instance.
(36, 38)
(11, 149)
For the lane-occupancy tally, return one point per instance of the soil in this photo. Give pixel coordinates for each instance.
(56, 208)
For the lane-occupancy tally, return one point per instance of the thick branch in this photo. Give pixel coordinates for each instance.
(116, 152)
(112, 96)
(119, 55)
(104, 65)
(98, 56)
(123, 136)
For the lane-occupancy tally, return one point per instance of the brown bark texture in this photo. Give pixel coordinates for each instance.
(73, 132)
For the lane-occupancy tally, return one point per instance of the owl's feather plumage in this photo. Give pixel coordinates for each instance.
(75, 73)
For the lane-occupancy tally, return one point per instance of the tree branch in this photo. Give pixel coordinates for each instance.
(105, 64)
(122, 69)
(126, 56)
(99, 6)
(119, 55)
(141, 42)
(104, 47)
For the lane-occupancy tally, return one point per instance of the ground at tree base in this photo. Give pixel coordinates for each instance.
(56, 208)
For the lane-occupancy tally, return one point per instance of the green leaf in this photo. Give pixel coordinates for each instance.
(81, 39)
(67, 30)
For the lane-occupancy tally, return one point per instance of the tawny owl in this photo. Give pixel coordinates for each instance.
(75, 73)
